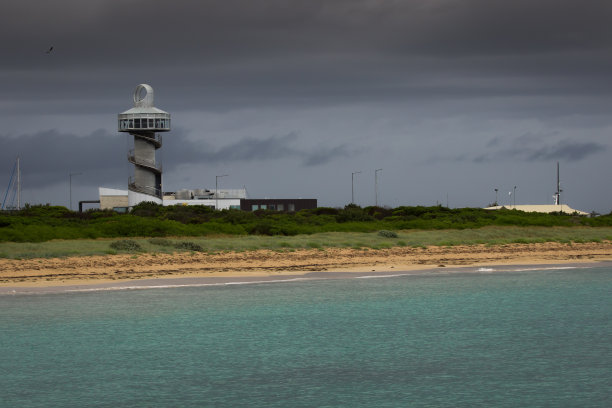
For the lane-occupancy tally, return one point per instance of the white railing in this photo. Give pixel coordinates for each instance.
(150, 190)
(143, 162)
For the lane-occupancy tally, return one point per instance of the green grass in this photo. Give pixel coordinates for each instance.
(357, 240)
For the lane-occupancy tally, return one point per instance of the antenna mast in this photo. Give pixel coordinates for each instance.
(18, 185)
(558, 194)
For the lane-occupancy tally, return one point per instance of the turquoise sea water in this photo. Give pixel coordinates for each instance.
(537, 339)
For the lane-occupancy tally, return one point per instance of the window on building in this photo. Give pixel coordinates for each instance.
(136, 123)
(271, 207)
(280, 207)
(254, 207)
(151, 123)
(234, 207)
(291, 207)
(263, 207)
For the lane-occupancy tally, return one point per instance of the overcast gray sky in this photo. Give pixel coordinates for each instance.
(451, 98)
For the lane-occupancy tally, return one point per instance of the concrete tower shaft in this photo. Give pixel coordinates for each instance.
(144, 122)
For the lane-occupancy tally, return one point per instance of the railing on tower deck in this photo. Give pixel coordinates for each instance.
(149, 164)
(150, 190)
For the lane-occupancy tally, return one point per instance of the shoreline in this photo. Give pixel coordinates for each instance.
(201, 281)
(130, 269)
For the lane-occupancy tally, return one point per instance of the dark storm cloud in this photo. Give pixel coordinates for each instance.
(214, 30)
(274, 147)
(48, 157)
(564, 150)
(323, 156)
(567, 150)
(271, 148)
(250, 149)
(236, 52)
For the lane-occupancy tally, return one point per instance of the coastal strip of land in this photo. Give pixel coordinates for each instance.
(86, 270)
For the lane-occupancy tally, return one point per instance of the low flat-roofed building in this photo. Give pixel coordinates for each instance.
(112, 199)
(223, 199)
(545, 208)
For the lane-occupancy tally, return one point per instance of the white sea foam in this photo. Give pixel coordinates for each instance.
(180, 285)
(548, 268)
(379, 276)
(486, 270)
(267, 281)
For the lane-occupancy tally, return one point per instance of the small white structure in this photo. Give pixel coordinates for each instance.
(547, 208)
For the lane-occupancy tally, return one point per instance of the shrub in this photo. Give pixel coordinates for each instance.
(237, 216)
(126, 245)
(160, 241)
(378, 212)
(147, 209)
(353, 212)
(387, 234)
(324, 211)
(189, 246)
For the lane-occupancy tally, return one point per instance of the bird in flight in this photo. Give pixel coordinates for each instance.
(49, 50)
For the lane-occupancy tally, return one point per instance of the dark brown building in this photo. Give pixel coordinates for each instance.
(278, 204)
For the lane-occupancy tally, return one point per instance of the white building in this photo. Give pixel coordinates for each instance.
(225, 199)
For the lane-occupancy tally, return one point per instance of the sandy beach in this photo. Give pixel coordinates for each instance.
(263, 263)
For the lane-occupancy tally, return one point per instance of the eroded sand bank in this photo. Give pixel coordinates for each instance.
(264, 263)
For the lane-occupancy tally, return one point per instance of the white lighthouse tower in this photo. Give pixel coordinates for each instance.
(145, 122)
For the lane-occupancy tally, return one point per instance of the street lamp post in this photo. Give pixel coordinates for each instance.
(376, 186)
(70, 183)
(353, 186)
(496, 196)
(514, 197)
(217, 190)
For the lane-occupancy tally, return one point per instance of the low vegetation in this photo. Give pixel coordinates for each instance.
(47, 231)
(491, 235)
(44, 223)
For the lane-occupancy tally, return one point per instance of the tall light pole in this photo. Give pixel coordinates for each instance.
(70, 178)
(376, 186)
(514, 196)
(353, 186)
(217, 190)
(496, 196)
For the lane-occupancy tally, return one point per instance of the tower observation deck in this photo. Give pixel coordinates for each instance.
(145, 123)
